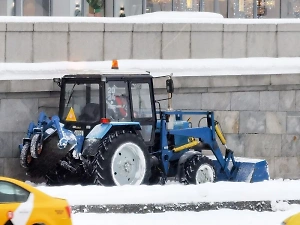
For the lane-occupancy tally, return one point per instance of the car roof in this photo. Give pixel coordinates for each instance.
(24, 185)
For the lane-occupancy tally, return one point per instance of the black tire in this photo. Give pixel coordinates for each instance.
(25, 156)
(109, 149)
(49, 159)
(36, 146)
(199, 163)
(156, 177)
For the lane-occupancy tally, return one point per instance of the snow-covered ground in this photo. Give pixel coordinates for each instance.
(176, 193)
(179, 67)
(214, 217)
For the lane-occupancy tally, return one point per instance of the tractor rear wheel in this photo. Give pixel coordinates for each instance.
(25, 156)
(122, 159)
(36, 146)
(199, 169)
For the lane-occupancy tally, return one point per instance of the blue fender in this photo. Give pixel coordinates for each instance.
(100, 130)
(90, 146)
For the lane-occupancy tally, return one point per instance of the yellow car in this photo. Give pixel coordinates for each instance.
(292, 220)
(22, 204)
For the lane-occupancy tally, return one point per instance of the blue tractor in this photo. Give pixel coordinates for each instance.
(111, 131)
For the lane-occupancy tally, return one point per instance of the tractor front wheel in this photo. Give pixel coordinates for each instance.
(36, 146)
(199, 169)
(25, 156)
(122, 159)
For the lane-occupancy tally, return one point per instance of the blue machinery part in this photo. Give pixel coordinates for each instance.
(46, 126)
(227, 168)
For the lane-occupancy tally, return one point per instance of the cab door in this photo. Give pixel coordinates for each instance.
(16, 204)
(143, 110)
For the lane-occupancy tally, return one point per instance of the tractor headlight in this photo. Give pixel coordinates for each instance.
(79, 133)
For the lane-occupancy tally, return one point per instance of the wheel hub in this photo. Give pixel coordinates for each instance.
(204, 174)
(127, 167)
(128, 164)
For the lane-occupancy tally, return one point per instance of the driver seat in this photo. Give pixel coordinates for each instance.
(90, 112)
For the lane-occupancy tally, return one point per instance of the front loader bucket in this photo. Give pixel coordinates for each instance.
(247, 170)
(251, 170)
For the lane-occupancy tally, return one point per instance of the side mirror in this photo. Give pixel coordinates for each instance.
(170, 85)
(57, 81)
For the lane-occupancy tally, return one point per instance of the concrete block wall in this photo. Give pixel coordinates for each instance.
(259, 115)
(97, 41)
(20, 103)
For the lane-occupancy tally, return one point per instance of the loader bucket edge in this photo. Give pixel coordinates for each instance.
(254, 171)
(249, 170)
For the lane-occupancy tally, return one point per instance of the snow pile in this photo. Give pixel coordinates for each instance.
(272, 190)
(171, 15)
(180, 67)
(154, 17)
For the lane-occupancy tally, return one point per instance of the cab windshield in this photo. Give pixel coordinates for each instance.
(81, 102)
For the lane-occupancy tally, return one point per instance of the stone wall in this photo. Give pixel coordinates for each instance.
(258, 113)
(97, 41)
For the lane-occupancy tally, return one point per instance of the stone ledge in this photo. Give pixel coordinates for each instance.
(154, 27)
(86, 27)
(207, 27)
(195, 207)
(262, 27)
(2, 26)
(288, 27)
(51, 27)
(182, 27)
(20, 27)
(118, 27)
(231, 83)
(235, 27)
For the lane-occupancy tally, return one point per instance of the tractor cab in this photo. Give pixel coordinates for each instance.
(87, 100)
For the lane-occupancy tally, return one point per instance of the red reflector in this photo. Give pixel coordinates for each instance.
(10, 215)
(104, 120)
(69, 211)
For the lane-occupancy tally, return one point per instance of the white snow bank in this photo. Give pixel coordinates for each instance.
(156, 17)
(180, 67)
(177, 15)
(272, 190)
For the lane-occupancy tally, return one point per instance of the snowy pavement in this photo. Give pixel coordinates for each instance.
(172, 192)
(214, 217)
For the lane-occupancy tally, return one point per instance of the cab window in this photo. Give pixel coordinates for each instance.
(11, 193)
(142, 108)
(117, 101)
(141, 100)
(82, 102)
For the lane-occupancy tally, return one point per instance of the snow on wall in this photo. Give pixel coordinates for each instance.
(155, 17)
(179, 67)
